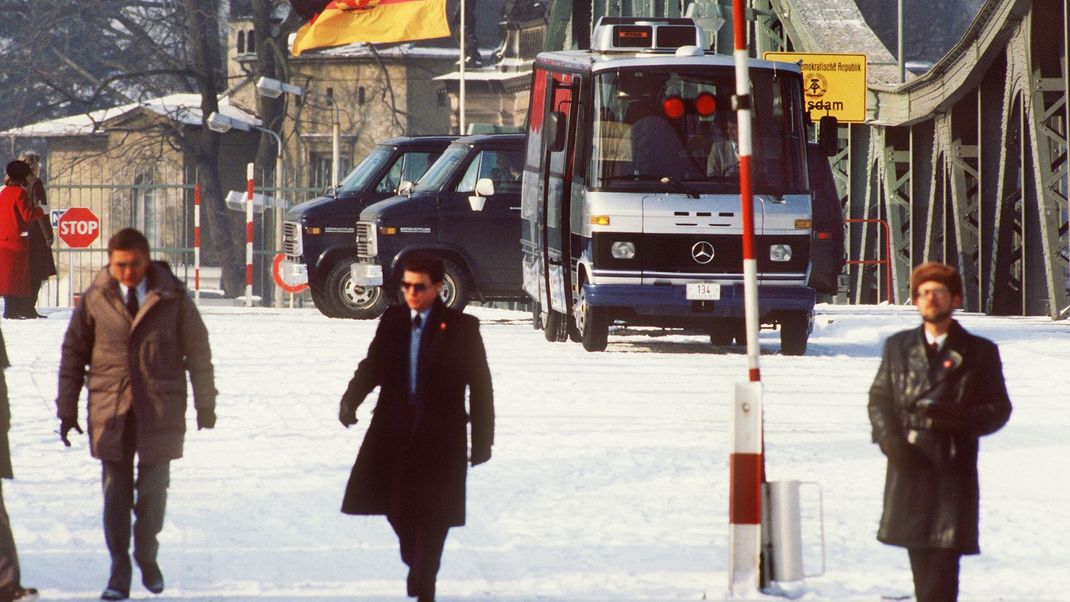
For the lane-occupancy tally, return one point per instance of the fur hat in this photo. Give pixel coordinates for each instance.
(936, 272)
(18, 170)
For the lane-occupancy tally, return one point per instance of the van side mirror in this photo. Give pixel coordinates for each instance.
(828, 135)
(484, 189)
(555, 132)
(405, 188)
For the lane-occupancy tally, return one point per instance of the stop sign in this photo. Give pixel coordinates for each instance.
(78, 227)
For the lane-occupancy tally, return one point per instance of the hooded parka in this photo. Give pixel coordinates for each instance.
(5, 416)
(136, 365)
(935, 504)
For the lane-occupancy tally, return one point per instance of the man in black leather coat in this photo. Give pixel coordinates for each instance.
(938, 389)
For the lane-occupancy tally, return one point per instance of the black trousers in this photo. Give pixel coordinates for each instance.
(148, 506)
(421, 549)
(9, 558)
(936, 574)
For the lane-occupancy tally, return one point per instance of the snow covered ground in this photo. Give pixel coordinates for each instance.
(609, 476)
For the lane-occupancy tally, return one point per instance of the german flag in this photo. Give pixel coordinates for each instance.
(373, 21)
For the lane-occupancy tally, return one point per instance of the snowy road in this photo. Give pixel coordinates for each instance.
(609, 476)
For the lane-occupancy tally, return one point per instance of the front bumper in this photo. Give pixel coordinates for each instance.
(670, 301)
(366, 274)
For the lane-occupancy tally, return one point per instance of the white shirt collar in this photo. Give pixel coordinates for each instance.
(423, 315)
(939, 340)
(142, 289)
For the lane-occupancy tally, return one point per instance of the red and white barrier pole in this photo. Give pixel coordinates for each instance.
(197, 243)
(249, 236)
(745, 460)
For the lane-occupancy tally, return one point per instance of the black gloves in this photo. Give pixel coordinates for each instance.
(902, 454)
(948, 418)
(205, 418)
(480, 455)
(65, 426)
(347, 416)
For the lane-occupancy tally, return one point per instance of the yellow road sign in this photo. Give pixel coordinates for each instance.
(833, 84)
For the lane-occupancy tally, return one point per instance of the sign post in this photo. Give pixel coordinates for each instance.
(833, 84)
(78, 227)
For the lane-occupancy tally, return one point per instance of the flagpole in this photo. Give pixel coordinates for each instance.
(461, 118)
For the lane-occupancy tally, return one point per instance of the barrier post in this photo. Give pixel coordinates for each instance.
(249, 236)
(197, 243)
(746, 468)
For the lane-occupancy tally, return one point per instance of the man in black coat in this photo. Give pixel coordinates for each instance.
(413, 462)
(938, 389)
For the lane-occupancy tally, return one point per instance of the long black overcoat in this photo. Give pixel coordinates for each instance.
(936, 505)
(413, 461)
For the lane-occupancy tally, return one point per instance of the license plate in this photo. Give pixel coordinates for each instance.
(703, 291)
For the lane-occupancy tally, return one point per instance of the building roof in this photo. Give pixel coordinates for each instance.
(183, 108)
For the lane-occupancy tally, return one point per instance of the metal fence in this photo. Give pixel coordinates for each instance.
(160, 203)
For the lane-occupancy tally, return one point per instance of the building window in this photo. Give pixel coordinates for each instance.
(241, 42)
(250, 41)
(320, 169)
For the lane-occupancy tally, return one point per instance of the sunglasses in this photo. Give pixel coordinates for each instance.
(417, 287)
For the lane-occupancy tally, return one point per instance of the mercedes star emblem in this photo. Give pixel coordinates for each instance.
(702, 252)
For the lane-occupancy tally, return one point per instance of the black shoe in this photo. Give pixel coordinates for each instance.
(110, 593)
(8, 316)
(17, 593)
(152, 578)
(410, 584)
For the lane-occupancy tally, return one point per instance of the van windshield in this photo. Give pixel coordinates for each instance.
(365, 170)
(680, 124)
(441, 170)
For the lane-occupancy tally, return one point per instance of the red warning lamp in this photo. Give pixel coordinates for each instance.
(673, 107)
(705, 104)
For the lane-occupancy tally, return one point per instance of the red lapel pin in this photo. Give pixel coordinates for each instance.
(948, 364)
(442, 326)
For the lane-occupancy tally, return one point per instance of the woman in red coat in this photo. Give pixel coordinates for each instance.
(16, 216)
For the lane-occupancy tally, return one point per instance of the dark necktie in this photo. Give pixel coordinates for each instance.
(932, 350)
(131, 301)
(416, 321)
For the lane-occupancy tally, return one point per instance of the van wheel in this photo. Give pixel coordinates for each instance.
(320, 300)
(592, 324)
(555, 326)
(794, 333)
(724, 331)
(454, 288)
(352, 301)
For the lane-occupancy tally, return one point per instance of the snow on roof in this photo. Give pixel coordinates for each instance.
(183, 108)
(361, 49)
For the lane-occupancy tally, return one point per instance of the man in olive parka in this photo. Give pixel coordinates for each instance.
(138, 333)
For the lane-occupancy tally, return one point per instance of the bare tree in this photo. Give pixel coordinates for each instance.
(75, 57)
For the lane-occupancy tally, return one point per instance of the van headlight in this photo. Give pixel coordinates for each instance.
(622, 250)
(780, 252)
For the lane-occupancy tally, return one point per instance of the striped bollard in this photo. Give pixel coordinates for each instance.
(249, 236)
(745, 462)
(197, 243)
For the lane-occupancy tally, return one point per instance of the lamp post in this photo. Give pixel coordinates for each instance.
(218, 122)
(273, 88)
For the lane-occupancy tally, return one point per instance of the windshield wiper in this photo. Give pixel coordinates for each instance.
(689, 191)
